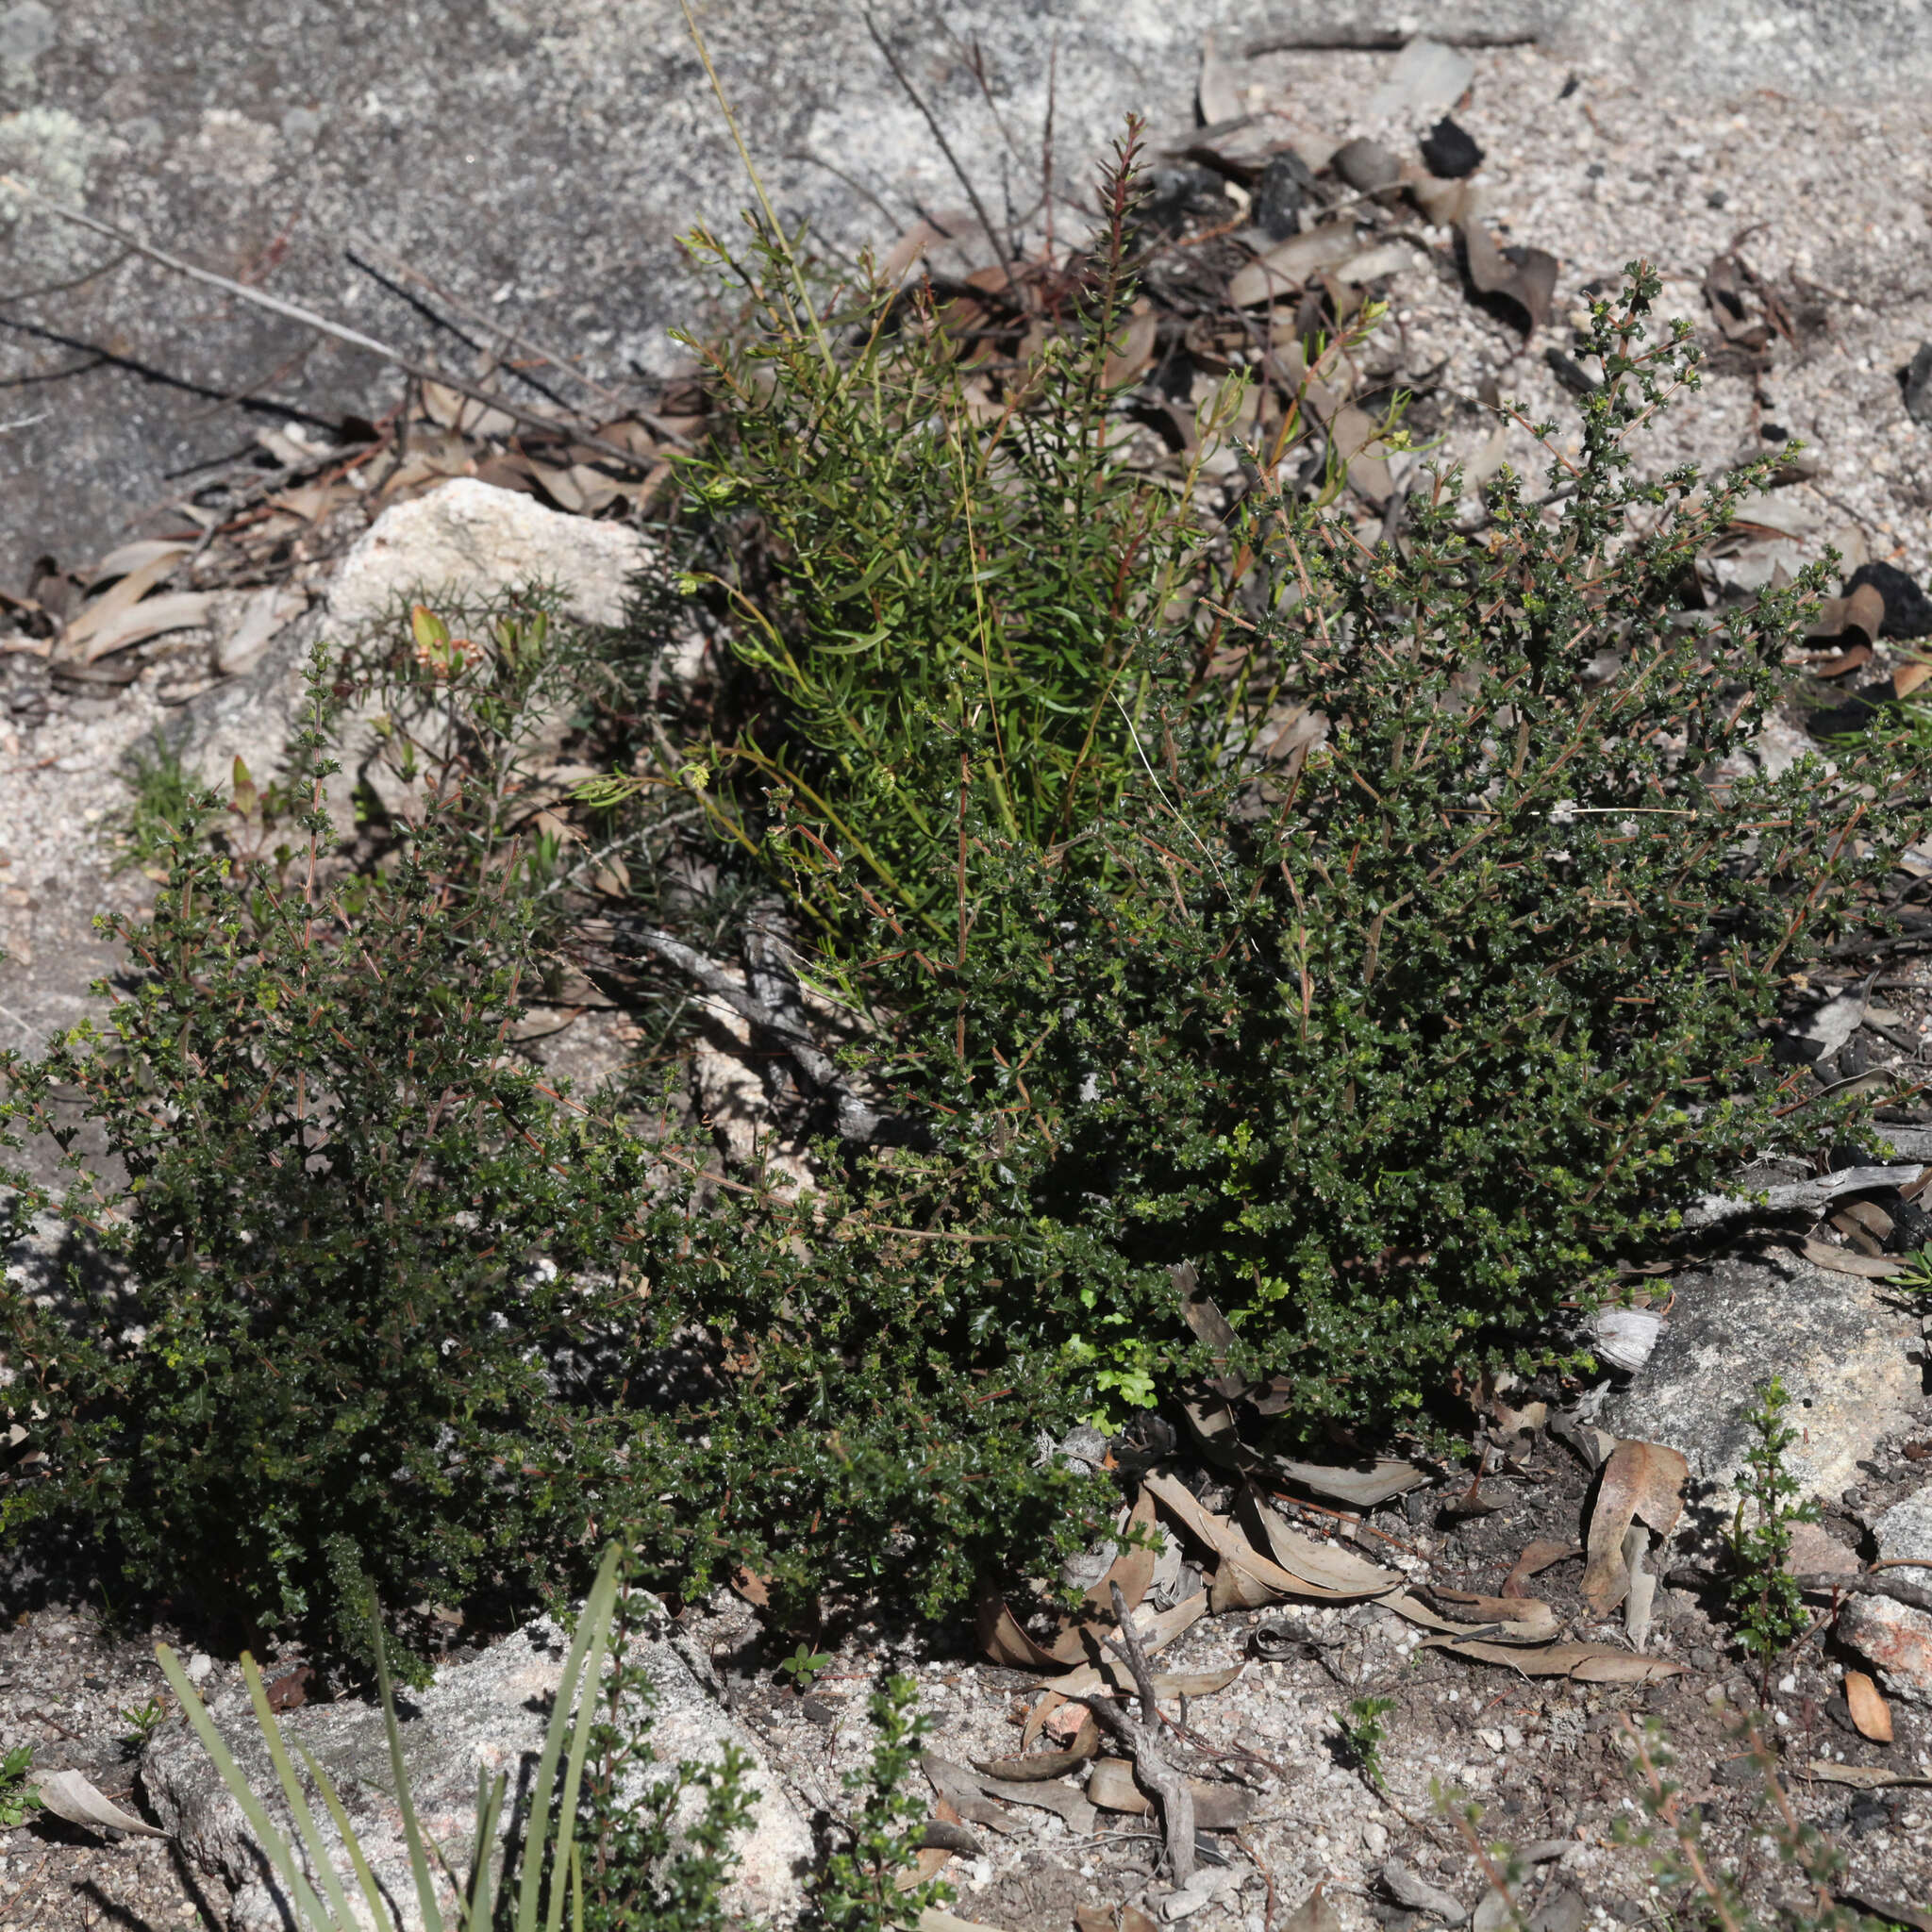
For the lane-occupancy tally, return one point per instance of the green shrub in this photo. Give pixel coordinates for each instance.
(1399, 1043)
(346, 1243)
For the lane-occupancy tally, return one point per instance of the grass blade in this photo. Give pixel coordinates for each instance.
(311, 1836)
(481, 1914)
(272, 1844)
(413, 1833)
(537, 1833)
(372, 1894)
(602, 1600)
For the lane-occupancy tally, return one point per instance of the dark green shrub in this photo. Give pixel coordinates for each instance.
(347, 1244)
(1403, 1042)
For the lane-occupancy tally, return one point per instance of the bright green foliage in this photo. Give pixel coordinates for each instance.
(332, 1332)
(637, 1875)
(1363, 1733)
(18, 1799)
(804, 1665)
(858, 1890)
(913, 570)
(166, 804)
(1770, 1611)
(142, 1721)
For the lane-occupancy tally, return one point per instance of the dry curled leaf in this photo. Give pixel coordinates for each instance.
(1864, 1777)
(1217, 1808)
(1642, 1481)
(1526, 276)
(1589, 1663)
(1034, 1767)
(1003, 1639)
(1327, 1569)
(1848, 1261)
(69, 1795)
(1869, 1710)
(1536, 1557)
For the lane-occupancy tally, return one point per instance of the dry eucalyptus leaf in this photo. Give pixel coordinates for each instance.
(1641, 1481)
(69, 1795)
(1529, 283)
(1907, 678)
(1334, 1571)
(1536, 1558)
(1381, 1482)
(1003, 1639)
(1848, 1261)
(1217, 1808)
(1531, 1622)
(1286, 266)
(1037, 1766)
(133, 556)
(174, 611)
(1869, 1710)
(1864, 1777)
(1589, 1663)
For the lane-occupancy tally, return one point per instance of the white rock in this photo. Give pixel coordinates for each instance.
(200, 1667)
(471, 538)
(489, 1713)
(1895, 1636)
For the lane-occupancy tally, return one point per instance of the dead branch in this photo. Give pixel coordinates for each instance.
(1142, 1741)
(858, 1121)
(294, 312)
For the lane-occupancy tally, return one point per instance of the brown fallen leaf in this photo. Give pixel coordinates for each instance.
(1642, 1481)
(1327, 1568)
(1533, 1621)
(1217, 1808)
(930, 1859)
(1288, 264)
(1870, 1711)
(1907, 678)
(1004, 1641)
(1529, 281)
(1113, 1675)
(1156, 1634)
(1536, 1557)
(1848, 1261)
(1589, 1663)
(1033, 1767)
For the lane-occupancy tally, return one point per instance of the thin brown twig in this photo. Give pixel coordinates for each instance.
(294, 312)
(527, 343)
(939, 134)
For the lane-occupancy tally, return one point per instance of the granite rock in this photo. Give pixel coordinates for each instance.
(489, 1713)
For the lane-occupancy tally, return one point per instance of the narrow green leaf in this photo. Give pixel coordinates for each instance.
(599, 1607)
(271, 1840)
(412, 1834)
(537, 1832)
(372, 1894)
(317, 1845)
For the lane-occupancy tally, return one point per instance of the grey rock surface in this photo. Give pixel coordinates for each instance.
(1896, 1637)
(487, 1713)
(542, 158)
(1845, 1348)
